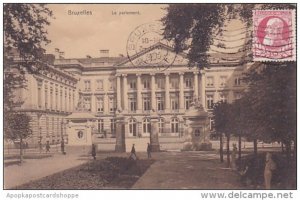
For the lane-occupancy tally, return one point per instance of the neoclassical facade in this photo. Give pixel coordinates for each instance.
(111, 85)
(107, 86)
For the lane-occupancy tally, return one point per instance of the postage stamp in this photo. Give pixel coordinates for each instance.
(146, 42)
(274, 37)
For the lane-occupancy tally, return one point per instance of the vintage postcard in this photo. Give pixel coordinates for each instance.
(150, 96)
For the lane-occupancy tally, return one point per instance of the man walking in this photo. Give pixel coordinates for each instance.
(94, 151)
(47, 147)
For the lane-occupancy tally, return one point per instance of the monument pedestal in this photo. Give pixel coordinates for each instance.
(196, 131)
(120, 135)
(154, 142)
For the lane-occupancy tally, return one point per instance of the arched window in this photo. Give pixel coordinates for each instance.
(146, 126)
(174, 125)
(132, 127)
(161, 125)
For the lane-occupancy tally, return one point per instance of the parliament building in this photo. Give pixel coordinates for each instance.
(105, 86)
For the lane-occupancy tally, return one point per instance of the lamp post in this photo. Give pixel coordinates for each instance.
(40, 139)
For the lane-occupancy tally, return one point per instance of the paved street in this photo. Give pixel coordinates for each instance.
(172, 170)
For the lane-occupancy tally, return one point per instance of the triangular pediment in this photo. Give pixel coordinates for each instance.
(159, 55)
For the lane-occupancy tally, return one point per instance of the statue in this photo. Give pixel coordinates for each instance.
(196, 104)
(269, 168)
(80, 104)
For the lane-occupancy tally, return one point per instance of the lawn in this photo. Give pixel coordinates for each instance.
(112, 172)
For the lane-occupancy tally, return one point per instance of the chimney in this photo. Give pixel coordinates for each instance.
(104, 53)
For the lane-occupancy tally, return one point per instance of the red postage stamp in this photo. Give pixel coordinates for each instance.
(274, 37)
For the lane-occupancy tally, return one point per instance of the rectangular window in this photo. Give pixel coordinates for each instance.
(223, 80)
(188, 82)
(61, 100)
(132, 84)
(146, 103)
(146, 83)
(174, 102)
(39, 97)
(132, 104)
(100, 125)
(113, 126)
(87, 85)
(99, 84)
(209, 101)
(112, 105)
(56, 99)
(174, 83)
(46, 98)
(210, 81)
(187, 101)
(237, 81)
(99, 104)
(160, 103)
(66, 95)
(160, 83)
(51, 98)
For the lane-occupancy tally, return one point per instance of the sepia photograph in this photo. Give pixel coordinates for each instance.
(183, 96)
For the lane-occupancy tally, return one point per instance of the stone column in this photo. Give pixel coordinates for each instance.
(154, 142)
(181, 92)
(120, 134)
(139, 100)
(125, 92)
(167, 92)
(196, 95)
(119, 107)
(203, 88)
(153, 102)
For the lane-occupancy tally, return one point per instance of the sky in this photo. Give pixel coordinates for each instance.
(82, 35)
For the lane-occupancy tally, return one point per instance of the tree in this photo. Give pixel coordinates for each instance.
(272, 98)
(17, 128)
(222, 125)
(25, 32)
(24, 36)
(193, 27)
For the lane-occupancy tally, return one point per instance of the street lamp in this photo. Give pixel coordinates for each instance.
(40, 139)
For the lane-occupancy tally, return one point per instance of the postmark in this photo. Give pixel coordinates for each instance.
(274, 37)
(146, 47)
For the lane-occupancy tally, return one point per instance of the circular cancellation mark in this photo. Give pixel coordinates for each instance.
(146, 47)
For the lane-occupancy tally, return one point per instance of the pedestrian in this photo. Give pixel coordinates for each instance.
(269, 168)
(233, 156)
(149, 150)
(94, 151)
(47, 147)
(132, 153)
(62, 147)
